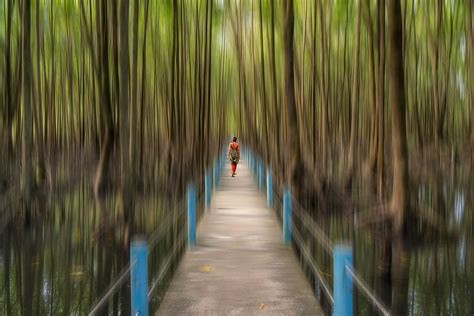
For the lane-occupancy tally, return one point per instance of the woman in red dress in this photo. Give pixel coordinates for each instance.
(234, 155)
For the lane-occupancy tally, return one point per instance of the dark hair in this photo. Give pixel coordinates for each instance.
(234, 139)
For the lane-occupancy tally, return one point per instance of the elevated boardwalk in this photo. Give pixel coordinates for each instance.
(239, 266)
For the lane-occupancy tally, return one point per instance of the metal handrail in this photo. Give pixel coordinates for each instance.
(301, 244)
(156, 236)
(317, 232)
(112, 289)
(364, 287)
(314, 229)
(298, 239)
(168, 260)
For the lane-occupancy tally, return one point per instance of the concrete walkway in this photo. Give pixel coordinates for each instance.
(240, 266)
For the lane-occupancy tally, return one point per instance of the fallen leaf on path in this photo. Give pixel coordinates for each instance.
(262, 306)
(206, 269)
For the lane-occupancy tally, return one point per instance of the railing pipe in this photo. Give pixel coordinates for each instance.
(365, 289)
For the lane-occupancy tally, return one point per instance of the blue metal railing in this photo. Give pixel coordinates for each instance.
(344, 273)
(140, 247)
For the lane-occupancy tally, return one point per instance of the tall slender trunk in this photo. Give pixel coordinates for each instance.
(101, 180)
(8, 80)
(372, 96)
(27, 129)
(400, 201)
(264, 88)
(436, 72)
(380, 97)
(295, 172)
(323, 90)
(142, 101)
(124, 107)
(274, 82)
(43, 164)
(134, 93)
(355, 100)
(470, 46)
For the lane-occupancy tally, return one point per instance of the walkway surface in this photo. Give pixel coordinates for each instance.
(240, 266)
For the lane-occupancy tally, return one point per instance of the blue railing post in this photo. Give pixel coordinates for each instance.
(215, 174)
(139, 276)
(269, 188)
(260, 175)
(342, 281)
(287, 210)
(251, 163)
(191, 215)
(255, 167)
(207, 188)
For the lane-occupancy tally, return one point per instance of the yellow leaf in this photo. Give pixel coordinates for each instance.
(261, 306)
(206, 269)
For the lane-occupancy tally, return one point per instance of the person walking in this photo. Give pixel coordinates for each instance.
(233, 154)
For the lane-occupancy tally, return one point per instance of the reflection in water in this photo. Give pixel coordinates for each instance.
(431, 272)
(66, 259)
(70, 255)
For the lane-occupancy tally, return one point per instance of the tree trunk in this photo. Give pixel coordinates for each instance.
(8, 80)
(43, 163)
(470, 47)
(435, 68)
(124, 107)
(27, 131)
(294, 173)
(399, 202)
(102, 173)
(142, 101)
(264, 88)
(274, 83)
(380, 97)
(354, 101)
(133, 98)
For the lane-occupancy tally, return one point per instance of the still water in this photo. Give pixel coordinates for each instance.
(77, 246)
(432, 274)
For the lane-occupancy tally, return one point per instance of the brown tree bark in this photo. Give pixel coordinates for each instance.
(124, 107)
(470, 47)
(8, 79)
(134, 93)
(380, 97)
(27, 127)
(43, 162)
(101, 180)
(294, 173)
(142, 99)
(275, 84)
(354, 101)
(436, 72)
(400, 200)
(264, 104)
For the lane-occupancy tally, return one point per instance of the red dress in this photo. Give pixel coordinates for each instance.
(233, 146)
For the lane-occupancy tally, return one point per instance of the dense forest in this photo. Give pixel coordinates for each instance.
(354, 104)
